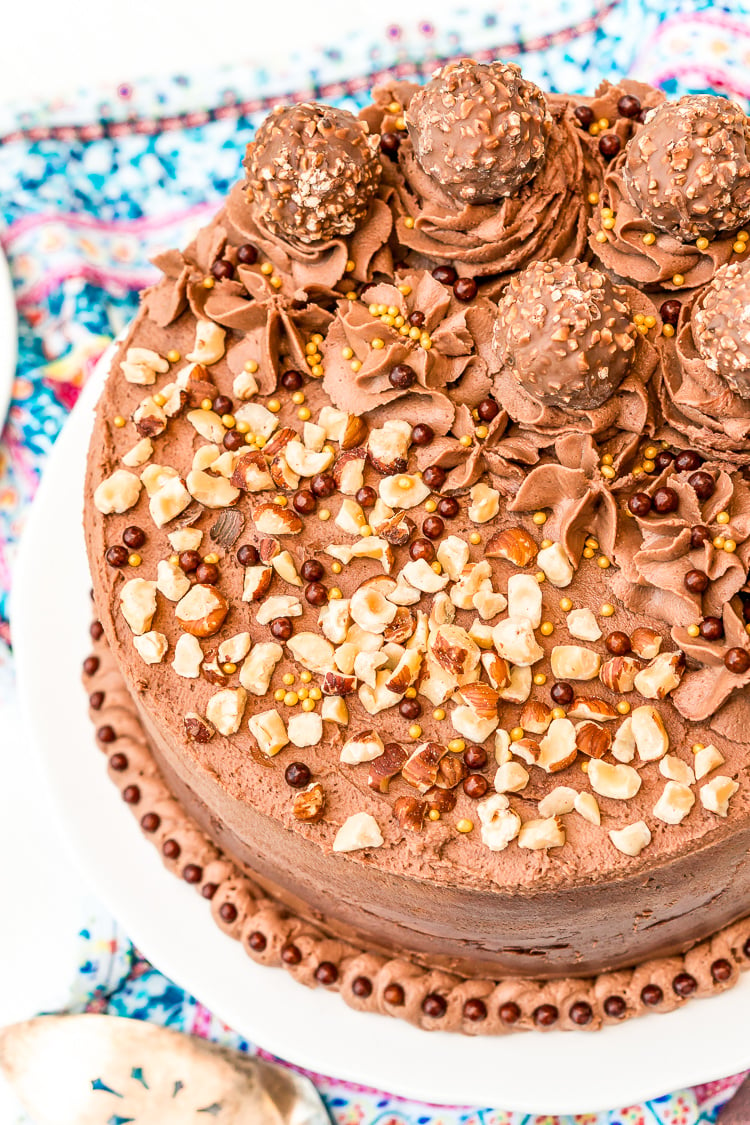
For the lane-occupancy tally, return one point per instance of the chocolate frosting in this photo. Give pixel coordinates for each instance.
(697, 404)
(457, 358)
(545, 218)
(654, 552)
(710, 691)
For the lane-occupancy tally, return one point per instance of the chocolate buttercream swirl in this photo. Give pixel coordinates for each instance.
(184, 275)
(697, 403)
(655, 552)
(712, 691)
(546, 217)
(375, 367)
(617, 423)
(578, 495)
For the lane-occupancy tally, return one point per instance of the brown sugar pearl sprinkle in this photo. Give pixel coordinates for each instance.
(712, 628)
(615, 1007)
(509, 1012)
(663, 460)
(609, 145)
(684, 985)
(106, 734)
(312, 570)
(323, 485)
(475, 1010)
(292, 381)
(208, 890)
(737, 660)
(651, 995)
(670, 312)
(247, 254)
(192, 873)
(488, 410)
(95, 700)
(394, 994)
(433, 527)
(721, 970)
(702, 484)
(222, 269)
(366, 497)
(422, 549)
(117, 556)
(291, 954)
(189, 561)
(581, 1013)
(465, 288)
(410, 709)
(316, 593)
(223, 405)
(476, 786)
(233, 440)
(628, 106)
(618, 643)
(688, 461)
(545, 1015)
(257, 941)
(639, 504)
(281, 628)
(304, 502)
(402, 377)
(665, 500)
(207, 573)
(150, 821)
(133, 537)
(446, 275)
(390, 143)
(562, 693)
(228, 912)
(696, 581)
(118, 762)
(434, 477)
(247, 555)
(362, 987)
(699, 535)
(584, 115)
(297, 775)
(422, 434)
(448, 507)
(131, 795)
(326, 973)
(170, 849)
(90, 665)
(475, 757)
(416, 319)
(434, 1005)
(96, 630)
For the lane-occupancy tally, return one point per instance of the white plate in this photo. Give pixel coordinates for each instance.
(534, 1073)
(8, 337)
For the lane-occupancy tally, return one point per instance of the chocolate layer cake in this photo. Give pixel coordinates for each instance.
(419, 528)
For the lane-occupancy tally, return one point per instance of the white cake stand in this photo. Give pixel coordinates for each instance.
(556, 1072)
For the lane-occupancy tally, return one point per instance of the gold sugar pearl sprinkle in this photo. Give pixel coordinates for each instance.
(316, 371)
(601, 236)
(281, 501)
(430, 505)
(302, 692)
(539, 518)
(349, 267)
(603, 123)
(565, 604)
(347, 353)
(607, 459)
(465, 440)
(604, 562)
(649, 238)
(667, 330)
(464, 825)
(648, 465)
(607, 610)
(174, 560)
(608, 472)
(206, 404)
(315, 693)
(650, 321)
(305, 676)
(594, 130)
(365, 531)
(118, 421)
(260, 441)
(308, 704)
(719, 542)
(588, 552)
(211, 558)
(249, 439)
(229, 420)
(475, 538)
(540, 576)
(592, 542)
(351, 295)
(316, 338)
(697, 747)
(273, 405)
(356, 366)
(546, 628)
(694, 630)
(609, 223)
(324, 514)
(415, 731)
(408, 222)
(134, 560)
(722, 517)
(411, 693)
(288, 678)
(404, 289)
(438, 714)
(558, 712)
(266, 268)
(678, 279)
(208, 282)
(251, 366)
(730, 546)
(701, 243)
(742, 236)
(607, 212)
(481, 431)
(516, 734)
(650, 452)
(739, 247)
(456, 745)
(174, 356)
(276, 282)
(623, 707)
(540, 679)
(336, 567)
(229, 668)
(433, 814)
(334, 594)
(298, 398)
(545, 544)
(303, 414)
(279, 695)
(638, 318)
(311, 348)
(437, 567)
(584, 767)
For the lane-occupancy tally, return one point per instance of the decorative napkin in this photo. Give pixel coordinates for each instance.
(92, 187)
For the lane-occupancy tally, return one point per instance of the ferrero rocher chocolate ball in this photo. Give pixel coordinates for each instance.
(565, 331)
(312, 171)
(479, 129)
(688, 169)
(721, 326)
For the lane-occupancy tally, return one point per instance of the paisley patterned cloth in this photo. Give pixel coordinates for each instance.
(91, 188)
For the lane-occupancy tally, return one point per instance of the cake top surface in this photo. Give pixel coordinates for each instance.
(446, 569)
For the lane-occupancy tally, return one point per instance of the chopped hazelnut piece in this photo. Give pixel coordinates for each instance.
(305, 728)
(188, 657)
(715, 795)
(619, 782)
(117, 493)
(226, 708)
(268, 730)
(138, 604)
(544, 833)
(258, 667)
(675, 803)
(632, 839)
(360, 830)
(499, 823)
(151, 646)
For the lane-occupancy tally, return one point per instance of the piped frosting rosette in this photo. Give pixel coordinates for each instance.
(409, 350)
(703, 384)
(714, 689)
(546, 216)
(674, 198)
(574, 354)
(655, 553)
